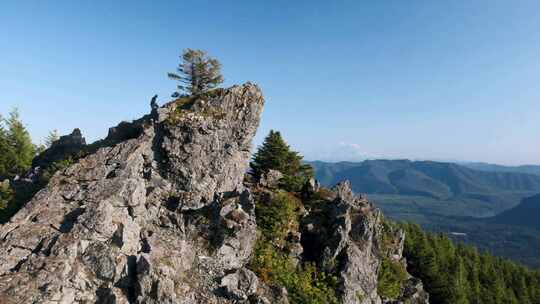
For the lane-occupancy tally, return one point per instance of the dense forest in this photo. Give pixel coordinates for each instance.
(458, 274)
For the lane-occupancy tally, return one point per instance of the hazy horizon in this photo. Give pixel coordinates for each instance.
(419, 159)
(344, 81)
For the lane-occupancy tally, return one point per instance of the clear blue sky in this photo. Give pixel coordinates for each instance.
(344, 80)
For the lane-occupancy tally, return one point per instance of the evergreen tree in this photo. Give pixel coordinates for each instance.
(197, 73)
(472, 261)
(522, 293)
(276, 154)
(6, 195)
(459, 286)
(21, 148)
(6, 151)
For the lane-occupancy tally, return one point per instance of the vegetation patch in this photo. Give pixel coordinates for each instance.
(277, 216)
(213, 112)
(304, 283)
(182, 105)
(275, 154)
(48, 172)
(391, 277)
(6, 194)
(212, 93)
(388, 235)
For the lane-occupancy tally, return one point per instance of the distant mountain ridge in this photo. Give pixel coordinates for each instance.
(438, 180)
(495, 207)
(530, 169)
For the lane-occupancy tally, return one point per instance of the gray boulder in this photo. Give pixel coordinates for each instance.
(271, 179)
(240, 284)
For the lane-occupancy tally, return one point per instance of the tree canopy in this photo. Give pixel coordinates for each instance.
(16, 147)
(460, 274)
(197, 73)
(6, 151)
(276, 154)
(16, 154)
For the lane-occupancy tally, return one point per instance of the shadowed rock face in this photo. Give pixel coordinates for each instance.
(158, 213)
(63, 147)
(147, 220)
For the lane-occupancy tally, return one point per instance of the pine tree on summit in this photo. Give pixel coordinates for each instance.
(275, 154)
(197, 73)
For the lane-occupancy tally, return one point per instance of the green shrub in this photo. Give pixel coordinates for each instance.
(53, 168)
(388, 236)
(305, 283)
(277, 216)
(275, 154)
(12, 200)
(181, 106)
(6, 194)
(292, 183)
(391, 277)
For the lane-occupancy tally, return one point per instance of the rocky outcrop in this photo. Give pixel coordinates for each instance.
(65, 146)
(271, 179)
(240, 285)
(158, 218)
(352, 245)
(216, 135)
(159, 212)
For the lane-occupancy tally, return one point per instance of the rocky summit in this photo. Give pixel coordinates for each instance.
(161, 211)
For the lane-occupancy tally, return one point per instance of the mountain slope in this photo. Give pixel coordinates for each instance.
(436, 184)
(326, 172)
(439, 179)
(526, 214)
(529, 169)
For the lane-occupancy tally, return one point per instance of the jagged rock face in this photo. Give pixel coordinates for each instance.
(271, 179)
(64, 146)
(216, 136)
(352, 246)
(160, 218)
